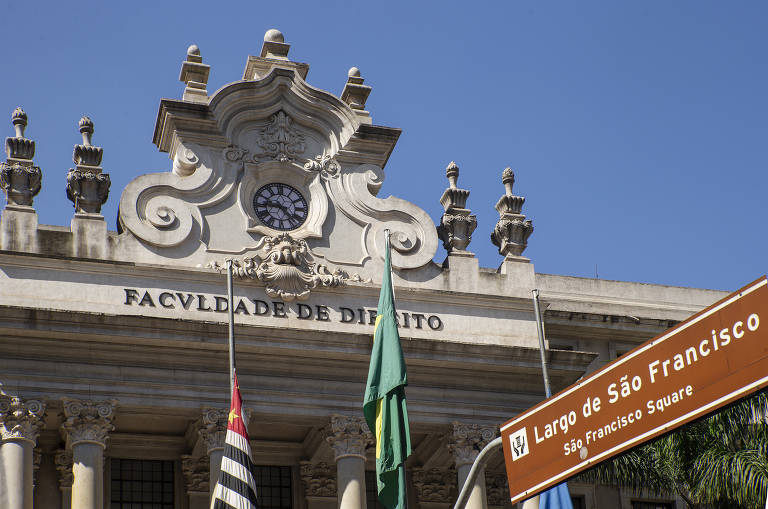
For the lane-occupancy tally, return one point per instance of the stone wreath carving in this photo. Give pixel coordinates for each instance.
(285, 265)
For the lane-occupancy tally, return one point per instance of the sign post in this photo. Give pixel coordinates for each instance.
(714, 358)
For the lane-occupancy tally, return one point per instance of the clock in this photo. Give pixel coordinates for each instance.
(280, 206)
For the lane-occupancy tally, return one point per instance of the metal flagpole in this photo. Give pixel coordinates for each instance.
(387, 250)
(540, 329)
(231, 308)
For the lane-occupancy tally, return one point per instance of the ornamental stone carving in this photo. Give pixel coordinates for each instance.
(87, 185)
(355, 94)
(285, 265)
(20, 420)
(467, 440)
(512, 230)
(497, 489)
(348, 436)
(319, 479)
(213, 428)
(325, 165)
(457, 224)
(63, 461)
(435, 485)
(87, 421)
(280, 140)
(19, 177)
(196, 473)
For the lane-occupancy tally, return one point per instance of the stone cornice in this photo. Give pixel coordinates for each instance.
(20, 419)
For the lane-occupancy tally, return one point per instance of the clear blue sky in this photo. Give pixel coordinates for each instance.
(637, 130)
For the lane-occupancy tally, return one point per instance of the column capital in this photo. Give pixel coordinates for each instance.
(63, 460)
(213, 428)
(196, 473)
(436, 485)
(319, 479)
(465, 441)
(20, 420)
(87, 421)
(348, 436)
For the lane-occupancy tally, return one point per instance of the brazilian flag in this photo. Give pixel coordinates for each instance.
(384, 402)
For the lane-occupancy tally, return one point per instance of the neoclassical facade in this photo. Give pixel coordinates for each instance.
(113, 350)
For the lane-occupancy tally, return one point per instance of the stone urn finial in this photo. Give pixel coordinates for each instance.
(513, 229)
(194, 75)
(458, 223)
(355, 94)
(87, 185)
(20, 179)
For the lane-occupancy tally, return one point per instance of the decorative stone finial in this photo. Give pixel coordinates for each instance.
(273, 35)
(458, 223)
(356, 94)
(512, 230)
(19, 177)
(274, 45)
(87, 185)
(194, 74)
(19, 119)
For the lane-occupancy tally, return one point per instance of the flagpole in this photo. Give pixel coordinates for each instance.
(540, 329)
(231, 308)
(387, 249)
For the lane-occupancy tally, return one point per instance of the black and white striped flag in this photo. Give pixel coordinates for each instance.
(236, 487)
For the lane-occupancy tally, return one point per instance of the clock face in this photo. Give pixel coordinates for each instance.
(280, 206)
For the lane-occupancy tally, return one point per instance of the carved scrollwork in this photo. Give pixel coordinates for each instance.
(286, 266)
(319, 479)
(324, 164)
(21, 182)
(20, 419)
(87, 421)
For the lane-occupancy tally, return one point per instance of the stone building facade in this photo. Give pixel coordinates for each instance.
(113, 350)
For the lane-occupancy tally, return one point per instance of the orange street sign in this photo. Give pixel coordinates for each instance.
(714, 358)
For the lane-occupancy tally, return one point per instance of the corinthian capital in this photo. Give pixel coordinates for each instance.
(87, 421)
(467, 440)
(348, 436)
(20, 420)
(213, 428)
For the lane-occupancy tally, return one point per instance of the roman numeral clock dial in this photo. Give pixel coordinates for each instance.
(280, 206)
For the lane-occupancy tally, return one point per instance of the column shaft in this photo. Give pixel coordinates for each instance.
(88, 475)
(17, 468)
(350, 479)
(215, 467)
(477, 498)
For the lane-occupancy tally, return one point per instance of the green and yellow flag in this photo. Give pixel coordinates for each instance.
(384, 402)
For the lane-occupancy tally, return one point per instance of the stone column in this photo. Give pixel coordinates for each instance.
(197, 478)
(465, 442)
(348, 437)
(63, 460)
(20, 424)
(85, 429)
(319, 484)
(435, 487)
(213, 431)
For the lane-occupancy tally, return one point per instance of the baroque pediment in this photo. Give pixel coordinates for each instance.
(269, 162)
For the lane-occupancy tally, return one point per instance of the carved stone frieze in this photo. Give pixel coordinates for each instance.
(465, 441)
(19, 177)
(285, 265)
(512, 230)
(63, 461)
(319, 479)
(435, 485)
(213, 428)
(87, 185)
(348, 436)
(87, 421)
(20, 420)
(196, 473)
(497, 489)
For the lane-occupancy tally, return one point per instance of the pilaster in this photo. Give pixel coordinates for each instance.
(63, 461)
(435, 487)
(319, 482)
(196, 472)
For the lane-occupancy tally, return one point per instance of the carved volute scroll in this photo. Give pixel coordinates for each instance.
(19, 177)
(20, 419)
(87, 421)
